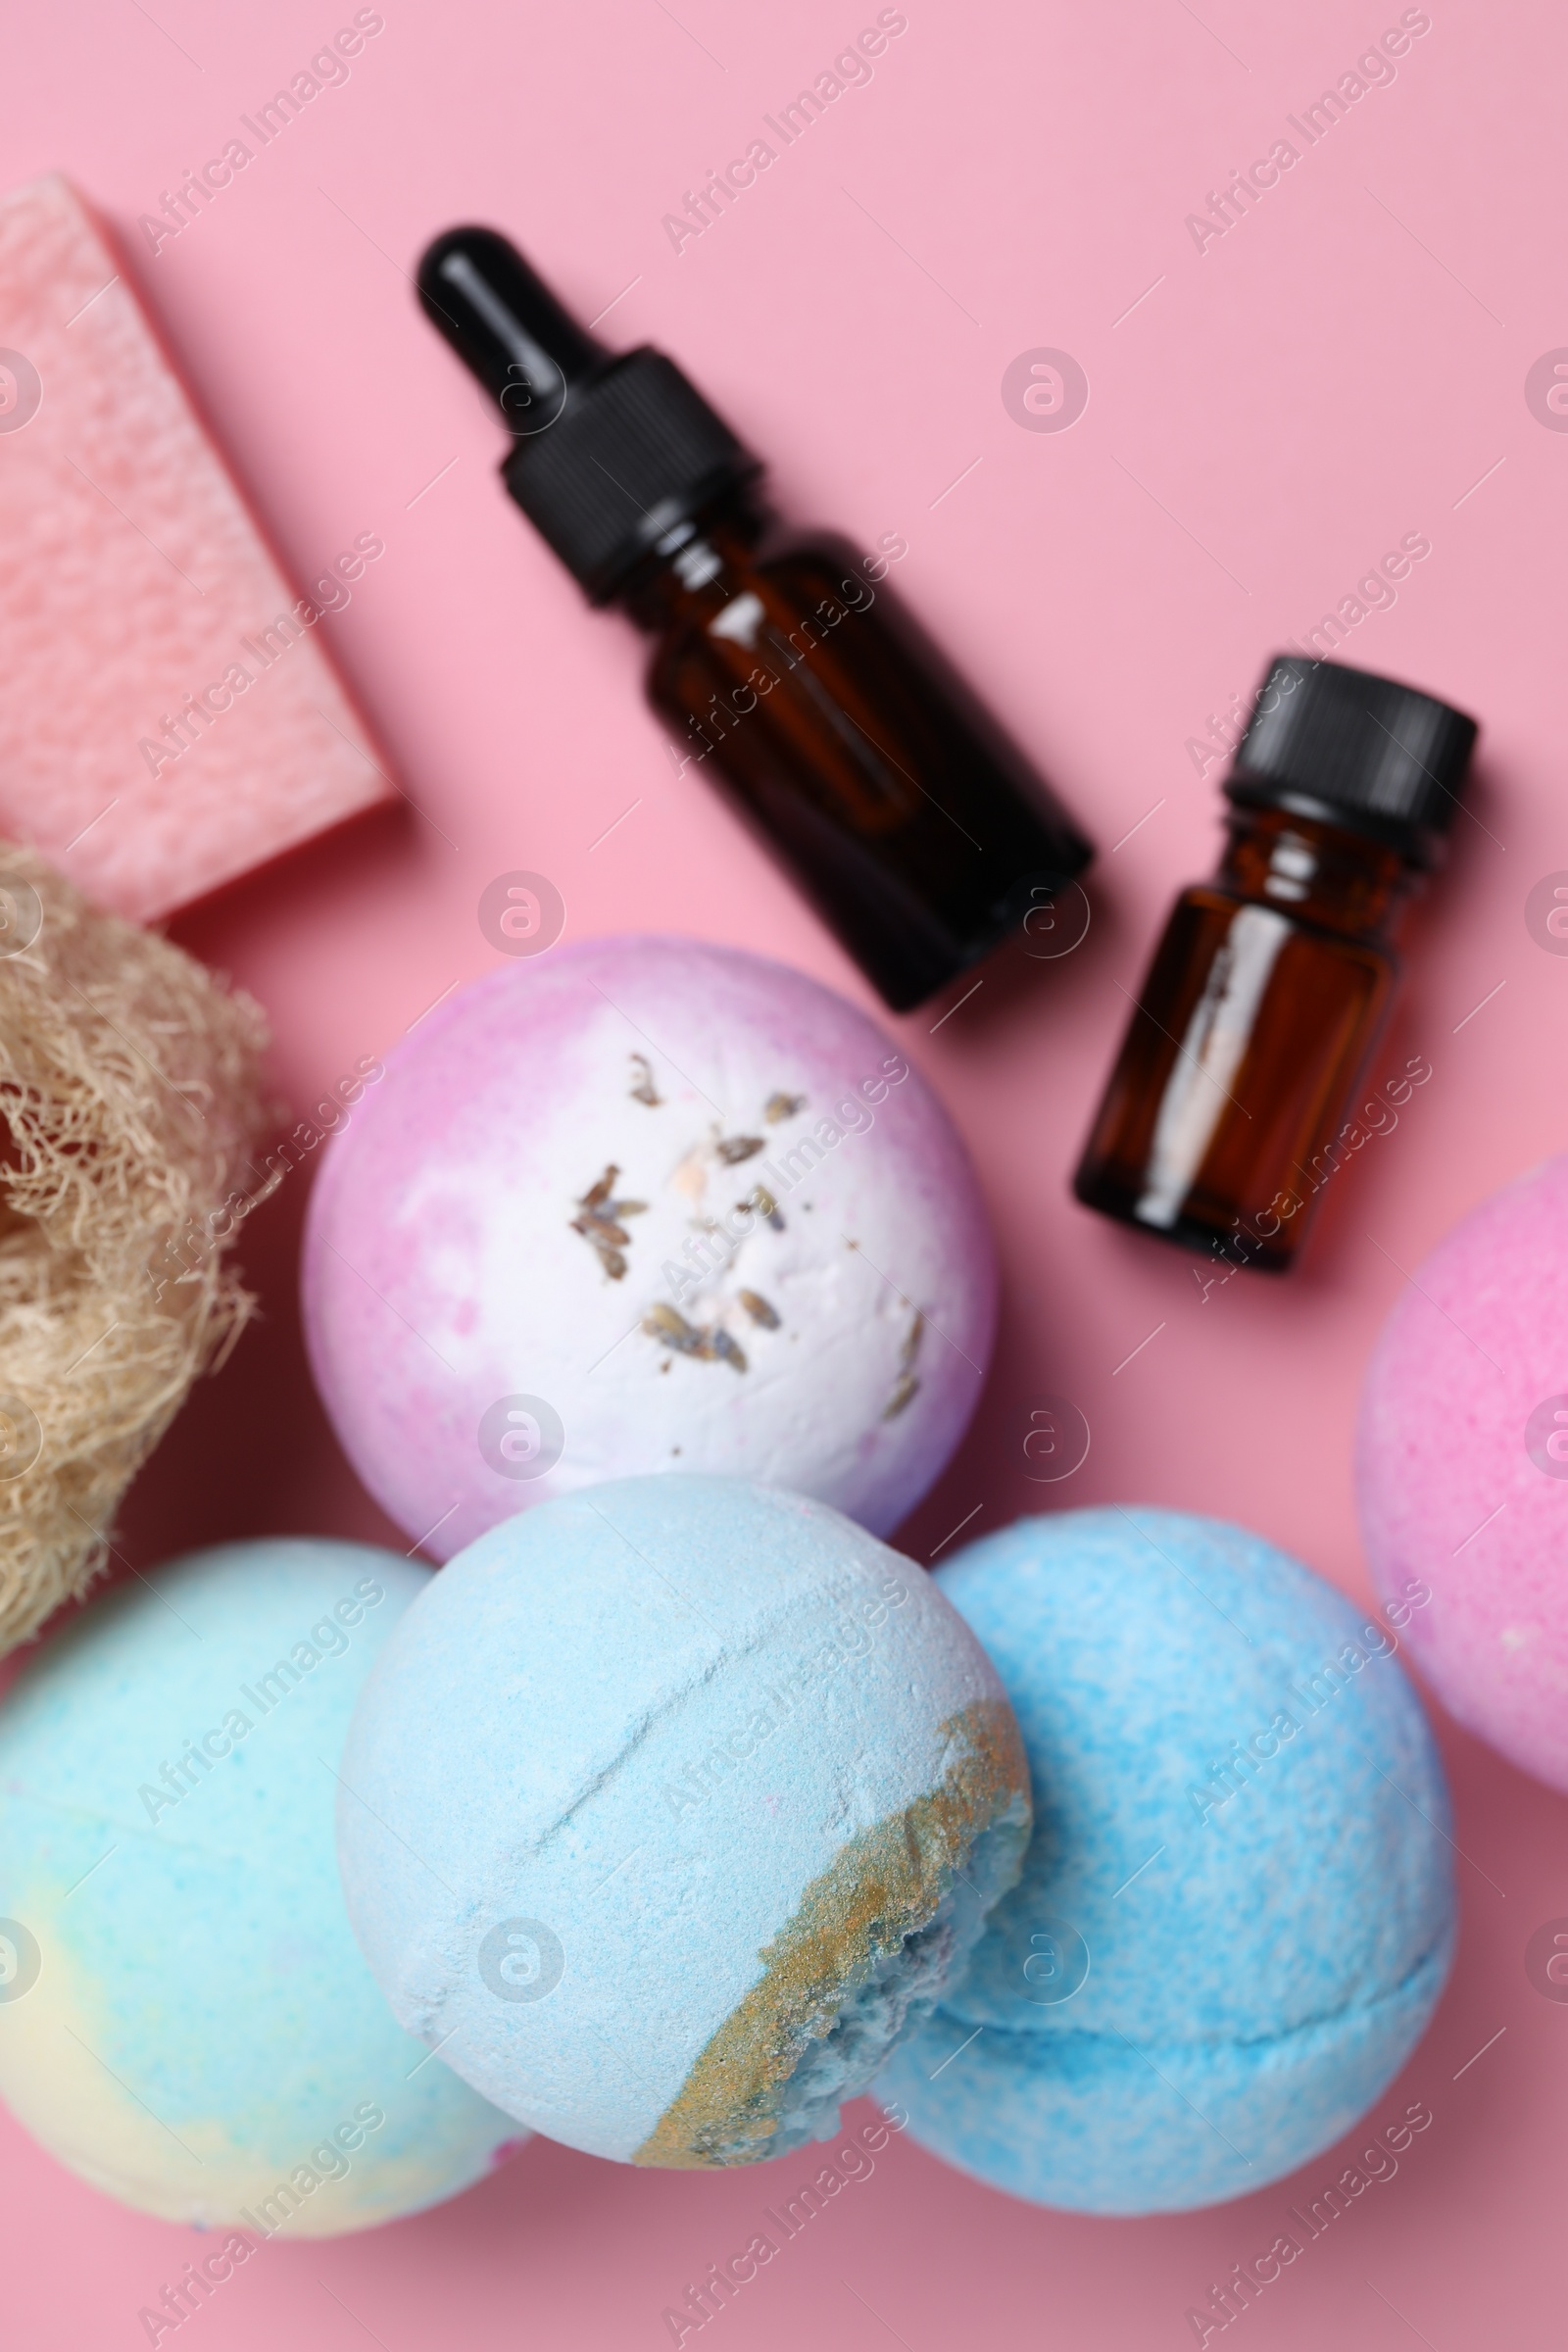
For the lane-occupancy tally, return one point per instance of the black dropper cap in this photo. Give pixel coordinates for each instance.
(612, 454)
(1358, 751)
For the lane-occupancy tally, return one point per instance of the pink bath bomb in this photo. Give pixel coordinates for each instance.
(646, 1205)
(1462, 1470)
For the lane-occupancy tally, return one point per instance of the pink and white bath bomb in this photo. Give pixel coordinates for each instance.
(1462, 1470)
(646, 1205)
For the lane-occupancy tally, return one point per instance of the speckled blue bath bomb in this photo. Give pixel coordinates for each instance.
(669, 1806)
(184, 2018)
(1236, 1912)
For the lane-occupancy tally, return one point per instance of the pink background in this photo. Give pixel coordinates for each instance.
(1337, 371)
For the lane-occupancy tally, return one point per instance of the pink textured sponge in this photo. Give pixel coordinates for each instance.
(1463, 1469)
(168, 719)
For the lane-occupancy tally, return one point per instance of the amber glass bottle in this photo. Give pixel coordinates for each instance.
(1222, 1120)
(783, 665)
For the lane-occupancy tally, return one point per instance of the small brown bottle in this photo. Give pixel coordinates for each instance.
(1267, 993)
(919, 833)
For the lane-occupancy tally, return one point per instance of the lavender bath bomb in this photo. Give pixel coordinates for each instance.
(669, 1808)
(1463, 1469)
(641, 1206)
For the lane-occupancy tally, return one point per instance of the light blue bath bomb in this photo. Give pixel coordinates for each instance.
(184, 2017)
(1237, 1911)
(669, 1806)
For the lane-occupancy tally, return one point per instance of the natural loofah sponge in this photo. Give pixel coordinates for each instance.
(129, 1097)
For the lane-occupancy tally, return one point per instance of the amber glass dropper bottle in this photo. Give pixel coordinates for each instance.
(1267, 991)
(783, 667)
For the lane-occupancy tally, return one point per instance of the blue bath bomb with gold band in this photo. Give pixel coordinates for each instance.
(669, 1807)
(185, 2020)
(1236, 1912)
